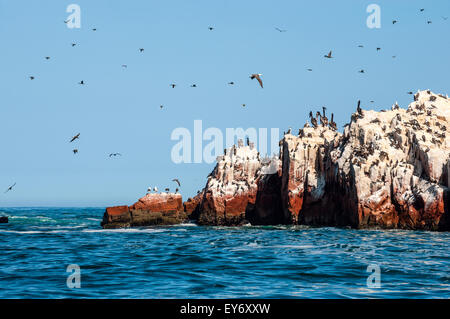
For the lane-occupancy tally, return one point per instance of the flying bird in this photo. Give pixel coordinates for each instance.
(361, 71)
(394, 21)
(74, 44)
(173, 85)
(410, 93)
(176, 181)
(141, 50)
(161, 106)
(243, 105)
(445, 18)
(75, 138)
(422, 10)
(280, 30)
(193, 85)
(94, 29)
(360, 46)
(310, 70)
(124, 66)
(47, 58)
(115, 154)
(10, 188)
(231, 83)
(81, 82)
(258, 77)
(210, 28)
(31, 77)
(75, 151)
(378, 49)
(328, 56)
(429, 22)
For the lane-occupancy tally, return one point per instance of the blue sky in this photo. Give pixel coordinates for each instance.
(118, 109)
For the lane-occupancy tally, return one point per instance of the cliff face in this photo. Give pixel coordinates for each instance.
(389, 169)
(235, 187)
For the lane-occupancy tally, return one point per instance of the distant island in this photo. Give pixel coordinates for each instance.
(388, 169)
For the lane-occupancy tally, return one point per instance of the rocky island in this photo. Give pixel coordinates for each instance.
(387, 169)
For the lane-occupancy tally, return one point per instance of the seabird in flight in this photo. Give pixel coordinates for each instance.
(328, 56)
(10, 188)
(176, 181)
(258, 77)
(75, 138)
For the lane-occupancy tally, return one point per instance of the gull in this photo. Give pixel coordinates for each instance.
(176, 181)
(258, 77)
(75, 138)
(115, 154)
(280, 30)
(328, 56)
(10, 188)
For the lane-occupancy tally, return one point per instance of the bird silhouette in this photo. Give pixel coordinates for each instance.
(329, 55)
(173, 85)
(310, 70)
(47, 58)
(75, 151)
(258, 77)
(74, 44)
(31, 77)
(141, 50)
(81, 82)
(75, 138)
(280, 30)
(361, 71)
(193, 85)
(10, 188)
(231, 83)
(210, 28)
(115, 154)
(176, 180)
(394, 21)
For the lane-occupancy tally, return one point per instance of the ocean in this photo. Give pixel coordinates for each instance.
(189, 261)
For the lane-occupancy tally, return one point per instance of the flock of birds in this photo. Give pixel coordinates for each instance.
(167, 190)
(319, 117)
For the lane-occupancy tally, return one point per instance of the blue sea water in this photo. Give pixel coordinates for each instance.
(189, 261)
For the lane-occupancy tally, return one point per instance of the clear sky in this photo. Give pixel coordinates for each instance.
(118, 109)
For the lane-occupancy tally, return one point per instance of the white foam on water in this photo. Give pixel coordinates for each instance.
(123, 230)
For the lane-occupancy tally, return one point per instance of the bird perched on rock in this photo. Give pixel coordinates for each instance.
(155, 189)
(358, 108)
(176, 190)
(258, 77)
(10, 188)
(167, 190)
(75, 138)
(149, 190)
